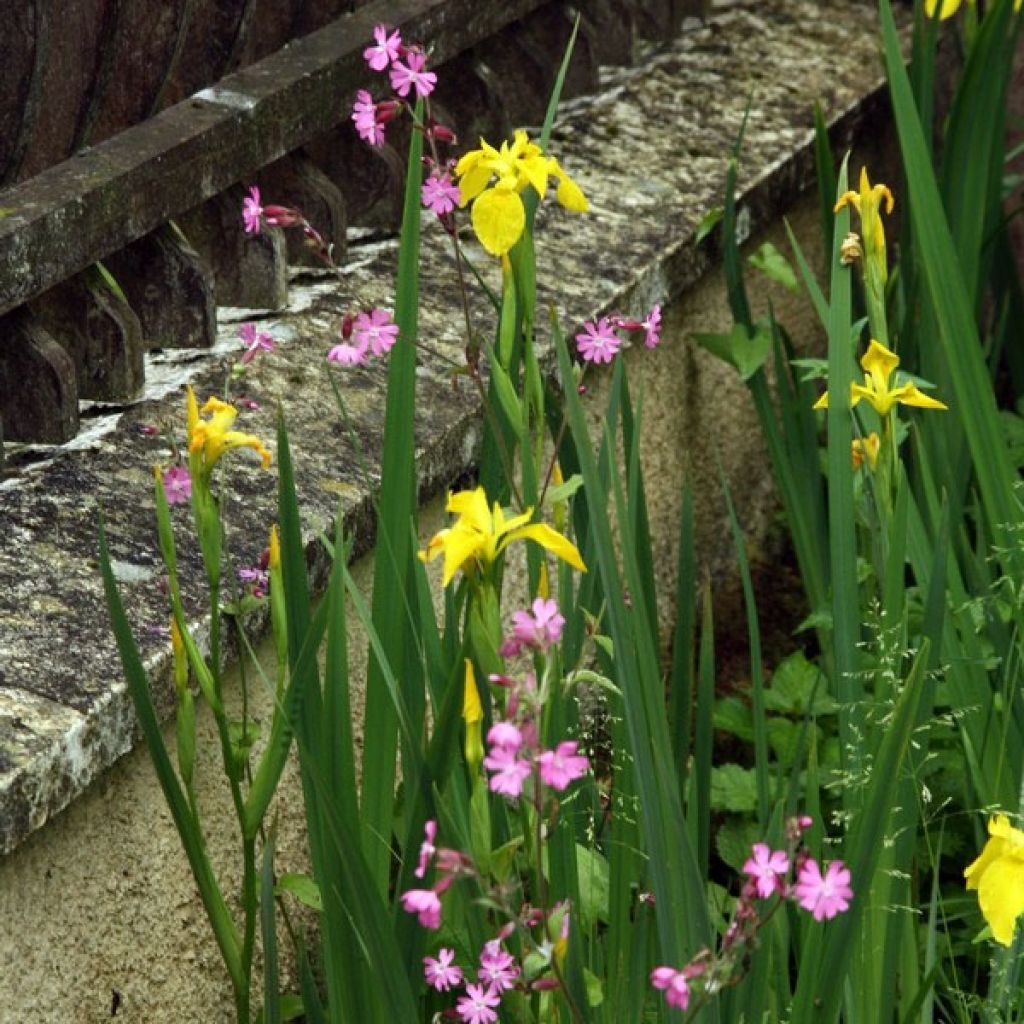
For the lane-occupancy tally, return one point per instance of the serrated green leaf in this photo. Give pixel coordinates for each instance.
(592, 871)
(733, 788)
(731, 715)
(734, 840)
(797, 687)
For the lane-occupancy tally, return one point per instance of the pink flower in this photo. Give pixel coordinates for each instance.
(427, 848)
(412, 76)
(177, 485)
(254, 341)
(508, 772)
(375, 329)
(541, 629)
(652, 327)
(440, 195)
(347, 354)
(505, 735)
(598, 343)
(257, 578)
(673, 983)
(767, 869)
(497, 967)
(425, 905)
(387, 49)
(477, 1005)
(364, 114)
(824, 896)
(252, 211)
(560, 766)
(441, 974)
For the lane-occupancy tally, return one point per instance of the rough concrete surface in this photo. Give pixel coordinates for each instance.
(101, 896)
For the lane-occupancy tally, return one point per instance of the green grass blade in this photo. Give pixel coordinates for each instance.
(392, 562)
(268, 934)
(223, 926)
(680, 707)
(972, 399)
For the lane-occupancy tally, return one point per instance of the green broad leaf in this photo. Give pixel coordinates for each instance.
(821, 619)
(784, 737)
(774, 266)
(733, 716)
(291, 1006)
(564, 491)
(798, 687)
(586, 675)
(605, 643)
(813, 369)
(734, 839)
(595, 990)
(707, 224)
(503, 859)
(303, 888)
(733, 788)
(592, 871)
(745, 353)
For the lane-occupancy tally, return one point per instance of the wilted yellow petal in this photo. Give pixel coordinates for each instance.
(498, 219)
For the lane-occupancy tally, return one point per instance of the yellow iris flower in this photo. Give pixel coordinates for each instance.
(209, 439)
(868, 204)
(480, 535)
(498, 214)
(947, 8)
(998, 876)
(878, 364)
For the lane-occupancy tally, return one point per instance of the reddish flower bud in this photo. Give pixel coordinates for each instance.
(281, 216)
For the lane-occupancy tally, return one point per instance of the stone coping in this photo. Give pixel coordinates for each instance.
(650, 150)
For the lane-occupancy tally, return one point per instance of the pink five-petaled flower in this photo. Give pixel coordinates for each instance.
(364, 114)
(252, 212)
(823, 895)
(441, 974)
(477, 1005)
(427, 848)
(540, 629)
(411, 75)
(376, 330)
(674, 984)
(598, 343)
(347, 354)
(505, 734)
(177, 485)
(387, 49)
(560, 766)
(257, 578)
(425, 904)
(767, 868)
(497, 967)
(254, 341)
(508, 772)
(652, 327)
(440, 195)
